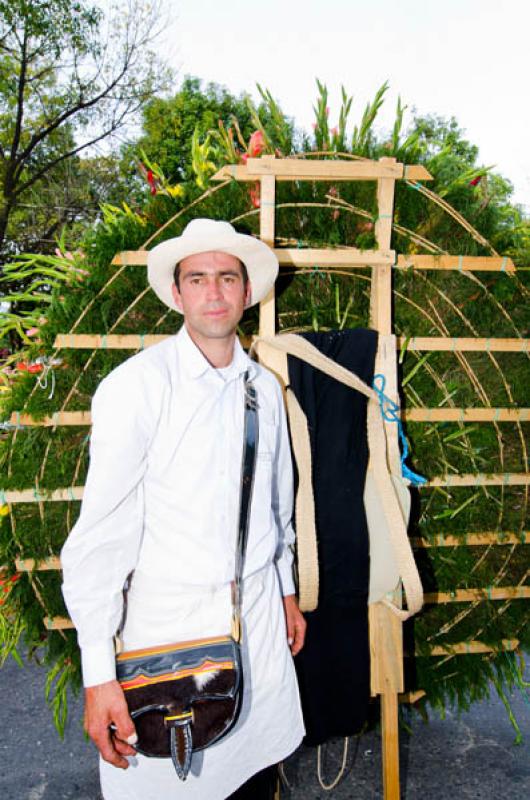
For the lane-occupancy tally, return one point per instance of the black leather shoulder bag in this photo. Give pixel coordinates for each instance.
(183, 697)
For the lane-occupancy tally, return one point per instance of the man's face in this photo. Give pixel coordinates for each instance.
(211, 295)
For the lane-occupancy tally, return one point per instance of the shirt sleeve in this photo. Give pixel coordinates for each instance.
(103, 545)
(282, 502)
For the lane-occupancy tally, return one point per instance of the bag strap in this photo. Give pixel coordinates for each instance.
(299, 347)
(248, 468)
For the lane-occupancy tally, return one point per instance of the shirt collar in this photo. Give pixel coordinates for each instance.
(195, 364)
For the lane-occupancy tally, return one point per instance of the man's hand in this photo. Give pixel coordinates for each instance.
(105, 705)
(295, 622)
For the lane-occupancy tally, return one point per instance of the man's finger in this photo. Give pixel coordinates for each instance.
(299, 636)
(290, 631)
(123, 748)
(124, 726)
(105, 744)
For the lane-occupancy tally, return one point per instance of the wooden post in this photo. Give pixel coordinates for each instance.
(386, 638)
(267, 308)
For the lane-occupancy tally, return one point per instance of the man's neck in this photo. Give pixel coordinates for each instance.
(218, 352)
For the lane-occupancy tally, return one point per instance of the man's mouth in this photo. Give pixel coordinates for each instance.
(216, 312)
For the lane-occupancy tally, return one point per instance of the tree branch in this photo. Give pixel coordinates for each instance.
(74, 151)
(20, 104)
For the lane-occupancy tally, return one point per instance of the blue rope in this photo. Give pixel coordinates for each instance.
(389, 412)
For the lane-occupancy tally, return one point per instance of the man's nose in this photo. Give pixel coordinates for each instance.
(214, 289)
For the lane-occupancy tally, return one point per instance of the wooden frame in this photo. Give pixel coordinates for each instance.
(386, 645)
(352, 257)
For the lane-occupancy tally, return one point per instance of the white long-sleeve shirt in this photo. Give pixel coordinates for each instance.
(162, 491)
(162, 498)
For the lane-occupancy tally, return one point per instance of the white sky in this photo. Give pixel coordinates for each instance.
(462, 58)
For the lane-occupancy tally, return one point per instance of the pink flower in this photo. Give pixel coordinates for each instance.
(327, 111)
(256, 144)
(32, 331)
(334, 131)
(68, 255)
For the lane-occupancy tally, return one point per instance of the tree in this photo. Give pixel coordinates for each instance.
(70, 78)
(169, 125)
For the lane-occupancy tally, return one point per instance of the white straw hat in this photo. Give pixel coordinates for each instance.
(206, 235)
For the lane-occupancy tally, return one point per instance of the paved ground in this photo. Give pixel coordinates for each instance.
(471, 756)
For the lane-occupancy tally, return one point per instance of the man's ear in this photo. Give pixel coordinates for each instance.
(176, 296)
(248, 294)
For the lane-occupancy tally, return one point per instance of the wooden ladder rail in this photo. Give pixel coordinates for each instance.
(386, 640)
(386, 630)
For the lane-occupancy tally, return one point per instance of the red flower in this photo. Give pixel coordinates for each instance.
(6, 584)
(256, 144)
(475, 181)
(22, 366)
(33, 368)
(150, 178)
(151, 181)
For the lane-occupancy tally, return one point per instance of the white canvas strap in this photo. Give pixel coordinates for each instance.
(299, 347)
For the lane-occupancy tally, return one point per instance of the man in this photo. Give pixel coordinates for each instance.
(162, 499)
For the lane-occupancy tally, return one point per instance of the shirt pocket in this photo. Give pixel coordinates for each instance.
(266, 440)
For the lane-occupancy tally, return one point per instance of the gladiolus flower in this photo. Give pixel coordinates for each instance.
(151, 181)
(256, 144)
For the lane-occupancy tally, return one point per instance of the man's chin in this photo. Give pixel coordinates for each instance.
(220, 329)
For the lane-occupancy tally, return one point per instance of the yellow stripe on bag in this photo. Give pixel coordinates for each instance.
(186, 715)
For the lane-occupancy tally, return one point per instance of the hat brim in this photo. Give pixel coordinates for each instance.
(258, 258)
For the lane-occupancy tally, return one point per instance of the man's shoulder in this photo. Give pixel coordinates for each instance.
(148, 367)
